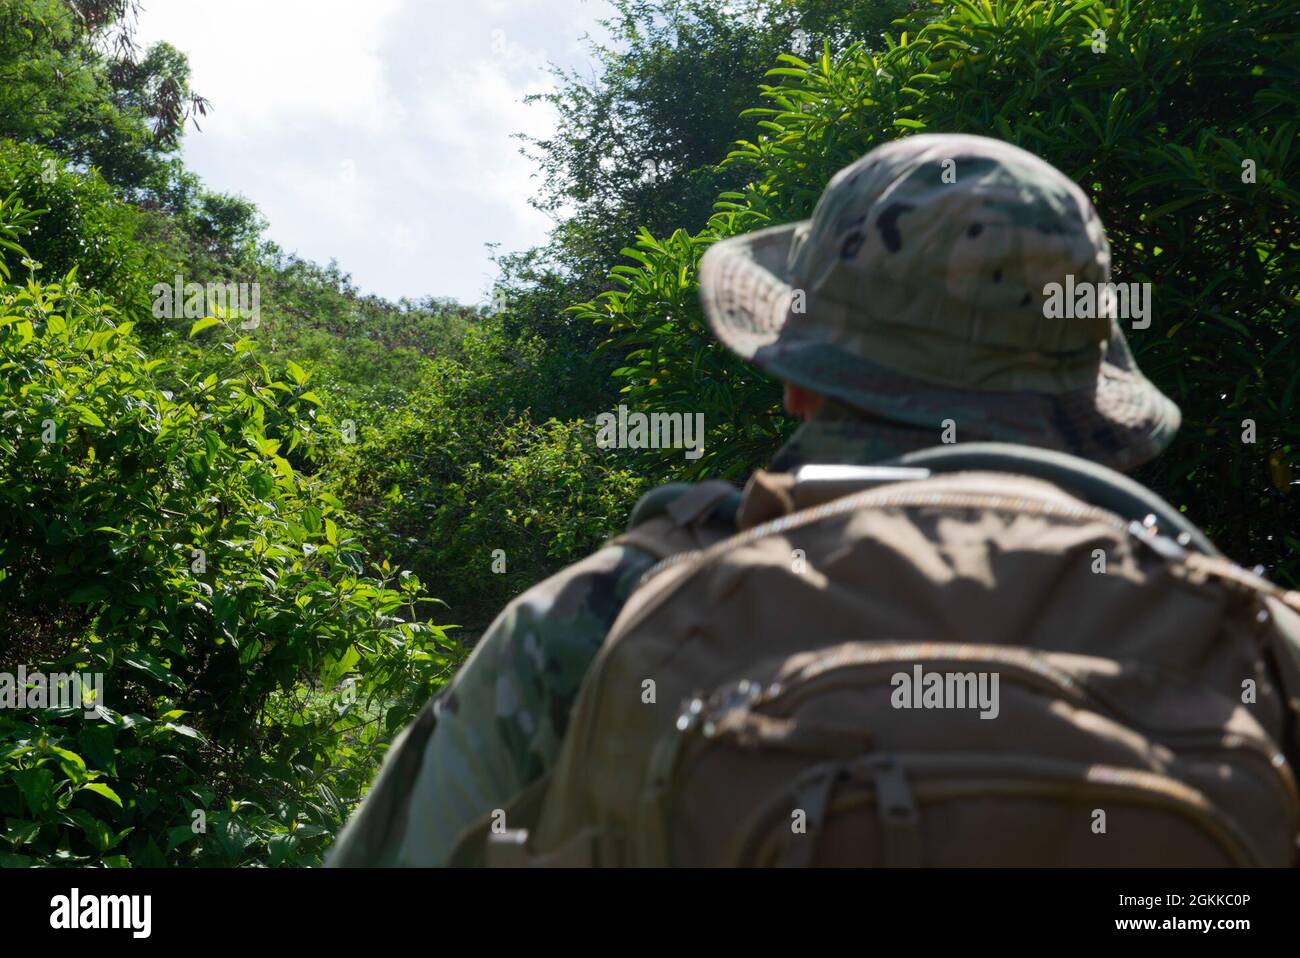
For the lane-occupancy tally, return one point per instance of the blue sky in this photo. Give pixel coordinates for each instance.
(378, 132)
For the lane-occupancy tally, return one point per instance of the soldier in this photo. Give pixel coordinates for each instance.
(924, 268)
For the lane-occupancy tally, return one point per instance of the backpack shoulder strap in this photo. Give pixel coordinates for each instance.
(1090, 481)
(681, 516)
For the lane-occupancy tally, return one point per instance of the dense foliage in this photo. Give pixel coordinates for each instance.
(463, 464)
(1158, 127)
(235, 524)
(72, 79)
(154, 530)
(84, 226)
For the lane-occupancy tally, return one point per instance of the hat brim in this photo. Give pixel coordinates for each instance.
(1120, 420)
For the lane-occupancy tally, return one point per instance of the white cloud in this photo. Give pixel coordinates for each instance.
(378, 133)
(262, 61)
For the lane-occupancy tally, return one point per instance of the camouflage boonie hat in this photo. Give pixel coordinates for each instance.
(916, 294)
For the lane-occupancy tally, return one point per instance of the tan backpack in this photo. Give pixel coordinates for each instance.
(914, 666)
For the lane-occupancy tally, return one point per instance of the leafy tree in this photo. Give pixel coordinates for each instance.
(638, 145)
(1182, 128)
(114, 245)
(155, 530)
(461, 469)
(72, 79)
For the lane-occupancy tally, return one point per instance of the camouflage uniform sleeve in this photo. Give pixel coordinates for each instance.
(500, 723)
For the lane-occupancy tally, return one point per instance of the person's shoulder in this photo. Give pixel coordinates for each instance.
(596, 587)
(541, 645)
(529, 666)
(685, 503)
(545, 638)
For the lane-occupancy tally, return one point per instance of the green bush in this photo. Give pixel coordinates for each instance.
(86, 225)
(461, 471)
(153, 529)
(1157, 128)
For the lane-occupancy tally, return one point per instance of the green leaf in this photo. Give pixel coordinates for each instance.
(37, 787)
(99, 788)
(88, 594)
(206, 323)
(151, 666)
(178, 835)
(335, 669)
(279, 847)
(311, 519)
(19, 833)
(72, 764)
(184, 730)
(88, 416)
